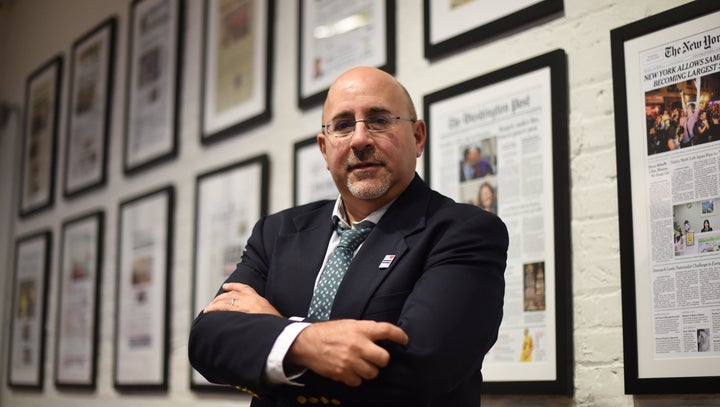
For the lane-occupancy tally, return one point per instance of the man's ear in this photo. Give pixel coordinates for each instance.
(420, 134)
(321, 140)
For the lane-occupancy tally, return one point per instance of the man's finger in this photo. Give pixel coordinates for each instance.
(368, 371)
(386, 331)
(220, 303)
(234, 286)
(376, 356)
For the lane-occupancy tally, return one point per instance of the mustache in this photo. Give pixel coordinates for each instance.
(360, 159)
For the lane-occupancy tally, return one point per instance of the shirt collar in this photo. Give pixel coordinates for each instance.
(338, 215)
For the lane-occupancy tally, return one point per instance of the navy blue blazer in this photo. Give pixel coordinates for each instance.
(444, 288)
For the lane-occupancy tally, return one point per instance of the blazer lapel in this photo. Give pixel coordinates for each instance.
(301, 254)
(386, 239)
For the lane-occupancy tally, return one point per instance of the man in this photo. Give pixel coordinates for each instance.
(527, 347)
(692, 116)
(416, 311)
(469, 167)
(484, 166)
(714, 132)
(475, 165)
(703, 340)
(700, 128)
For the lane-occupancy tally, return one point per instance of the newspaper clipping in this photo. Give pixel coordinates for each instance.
(340, 35)
(681, 86)
(492, 148)
(151, 87)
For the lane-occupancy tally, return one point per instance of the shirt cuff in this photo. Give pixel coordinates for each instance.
(274, 371)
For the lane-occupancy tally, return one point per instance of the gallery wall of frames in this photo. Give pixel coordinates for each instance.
(149, 143)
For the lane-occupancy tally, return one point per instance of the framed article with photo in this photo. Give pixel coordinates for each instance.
(666, 84)
(40, 129)
(29, 309)
(237, 67)
(312, 180)
(90, 104)
(143, 291)
(154, 83)
(228, 203)
(500, 141)
(78, 312)
(452, 25)
(336, 35)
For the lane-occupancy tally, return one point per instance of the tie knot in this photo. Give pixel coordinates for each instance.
(351, 238)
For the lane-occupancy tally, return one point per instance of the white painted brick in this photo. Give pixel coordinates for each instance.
(596, 239)
(600, 386)
(594, 201)
(599, 346)
(596, 275)
(598, 310)
(595, 168)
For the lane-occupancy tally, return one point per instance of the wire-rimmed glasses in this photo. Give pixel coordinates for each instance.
(344, 127)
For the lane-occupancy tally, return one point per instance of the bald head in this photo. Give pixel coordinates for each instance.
(364, 77)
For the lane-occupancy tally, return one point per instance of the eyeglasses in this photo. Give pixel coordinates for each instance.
(340, 128)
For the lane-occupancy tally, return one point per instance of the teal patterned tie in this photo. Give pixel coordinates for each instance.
(334, 272)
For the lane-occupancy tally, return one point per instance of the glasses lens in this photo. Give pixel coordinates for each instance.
(345, 127)
(342, 127)
(378, 123)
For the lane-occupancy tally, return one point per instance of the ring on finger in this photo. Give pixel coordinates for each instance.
(232, 302)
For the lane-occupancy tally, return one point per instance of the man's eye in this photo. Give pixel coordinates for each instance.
(379, 121)
(343, 125)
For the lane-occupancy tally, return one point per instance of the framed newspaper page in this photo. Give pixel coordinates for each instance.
(26, 357)
(500, 141)
(154, 83)
(336, 35)
(666, 84)
(237, 67)
(312, 180)
(451, 25)
(40, 129)
(89, 109)
(228, 203)
(78, 312)
(142, 323)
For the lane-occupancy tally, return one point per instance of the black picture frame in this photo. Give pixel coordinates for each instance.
(240, 108)
(543, 79)
(465, 34)
(307, 98)
(31, 274)
(154, 83)
(311, 179)
(92, 76)
(40, 135)
(228, 202)
(79, 306)
(145, 237)
(646, 371)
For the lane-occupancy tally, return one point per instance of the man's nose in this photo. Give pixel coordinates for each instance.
(361, 137)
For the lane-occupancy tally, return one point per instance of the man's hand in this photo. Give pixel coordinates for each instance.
(345, 350)
(241, 298)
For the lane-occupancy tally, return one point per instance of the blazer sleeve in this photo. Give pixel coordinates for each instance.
(453, 313)
(219, 346)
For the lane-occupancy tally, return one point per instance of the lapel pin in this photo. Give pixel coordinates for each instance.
(385, 263)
